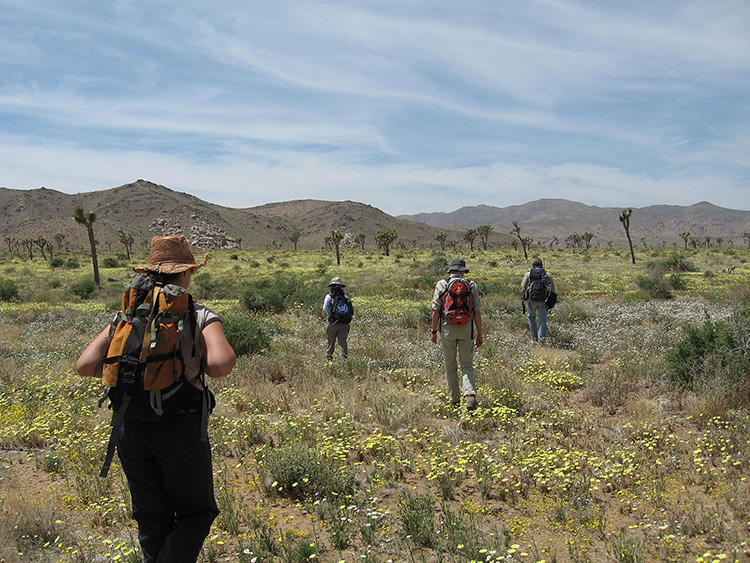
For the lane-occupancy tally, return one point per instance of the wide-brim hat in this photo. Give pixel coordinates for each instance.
(170, 255)
(337, 281)
(457, 265)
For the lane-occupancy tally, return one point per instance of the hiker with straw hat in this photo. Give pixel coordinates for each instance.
(166, 455)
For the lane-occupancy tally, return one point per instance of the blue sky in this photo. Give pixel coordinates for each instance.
(408, 105)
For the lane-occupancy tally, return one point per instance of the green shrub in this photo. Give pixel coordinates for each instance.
(205, 286)
(675, 262)
(657, 286)
(110, 263)
(72, 263)
(417, 515)
(8, 290)
(246, 335)
(299, 471)
(280, 292)
(56, 262)
(569, 311)
(718, 348)
(83, 288)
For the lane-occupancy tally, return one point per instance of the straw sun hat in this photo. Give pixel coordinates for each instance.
(170, 255)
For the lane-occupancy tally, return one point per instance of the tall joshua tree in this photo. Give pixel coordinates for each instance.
(336, 238)
(87, 220)
(625, 220)
(517, 232)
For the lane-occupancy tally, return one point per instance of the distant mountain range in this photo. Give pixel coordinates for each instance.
(547, 220)
(145, 209)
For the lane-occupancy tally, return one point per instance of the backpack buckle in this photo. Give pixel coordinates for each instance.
(128, 371)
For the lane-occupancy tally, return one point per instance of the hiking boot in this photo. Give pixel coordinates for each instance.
(471, 402)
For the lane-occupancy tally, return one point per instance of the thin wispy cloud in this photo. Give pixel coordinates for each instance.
(408, 106)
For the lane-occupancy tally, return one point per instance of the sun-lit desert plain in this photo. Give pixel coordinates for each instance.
(625, 438)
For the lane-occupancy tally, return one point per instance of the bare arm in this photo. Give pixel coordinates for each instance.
(220, 358)
(478, 326)
(435, 324)
(89, 362)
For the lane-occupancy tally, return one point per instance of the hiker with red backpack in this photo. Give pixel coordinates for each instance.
(456, 316)
(538, 292)
(339, 312)
(152, 360)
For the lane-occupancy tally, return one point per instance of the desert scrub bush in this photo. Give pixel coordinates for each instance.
(569, 311)
(720, 348)
(8, 290)
(246, 335)
(110, 263)
(298, 471)
(675, 262)
(282, 291)
(206, 286)
(417, 516)
(656, 286)
(83, 288)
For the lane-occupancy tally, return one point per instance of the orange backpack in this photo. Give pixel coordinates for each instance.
(143, 370)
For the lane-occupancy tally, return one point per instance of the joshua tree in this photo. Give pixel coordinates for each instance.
(385, 238)
(586, 238)
(685, 238)
(59, 239)
(336, 238)
(441, 238)
(359, 240)
(484, 232)
(573, 240)
(294, 237)
(517, 232)
(87, 220)
(470, 236)
(28, 244)
(127, 240)
(42, 244)
(625, 220)
(239, 243)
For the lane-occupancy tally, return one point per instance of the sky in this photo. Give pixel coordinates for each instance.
(409, 106)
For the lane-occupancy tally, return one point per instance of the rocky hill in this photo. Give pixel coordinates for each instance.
(144, 209)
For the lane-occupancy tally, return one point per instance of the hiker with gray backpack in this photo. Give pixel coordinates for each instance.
(538, 293)
(152, 360)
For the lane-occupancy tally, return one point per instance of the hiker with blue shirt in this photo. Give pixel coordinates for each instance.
(339, 311)
(538, 291)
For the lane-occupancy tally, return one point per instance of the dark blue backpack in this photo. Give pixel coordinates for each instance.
(341, 310)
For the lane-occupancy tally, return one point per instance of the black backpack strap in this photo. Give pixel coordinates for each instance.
(117, 419)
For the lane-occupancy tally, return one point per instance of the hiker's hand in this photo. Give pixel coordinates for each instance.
(479, 340)
(433, 337)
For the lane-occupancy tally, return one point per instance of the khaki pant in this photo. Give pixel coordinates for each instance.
(458, 347)
(334, 332)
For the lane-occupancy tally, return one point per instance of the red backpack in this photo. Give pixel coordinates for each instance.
(458, 302)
